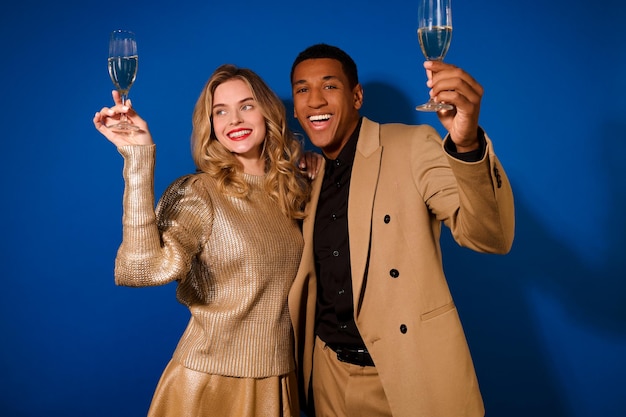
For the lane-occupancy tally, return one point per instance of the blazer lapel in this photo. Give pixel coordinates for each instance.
(363, 184)
(311, 208)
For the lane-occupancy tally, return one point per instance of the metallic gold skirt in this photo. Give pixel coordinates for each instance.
(183, 392)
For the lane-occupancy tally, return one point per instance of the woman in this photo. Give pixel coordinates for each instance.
(229, 236)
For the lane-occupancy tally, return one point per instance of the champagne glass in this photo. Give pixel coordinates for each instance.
(434, 33)
(123, 70)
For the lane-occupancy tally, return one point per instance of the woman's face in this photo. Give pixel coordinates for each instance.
(238, 122)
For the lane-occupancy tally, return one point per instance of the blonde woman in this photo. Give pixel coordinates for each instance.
(230, 236)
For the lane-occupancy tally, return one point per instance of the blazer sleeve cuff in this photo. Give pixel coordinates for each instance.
(472, 156)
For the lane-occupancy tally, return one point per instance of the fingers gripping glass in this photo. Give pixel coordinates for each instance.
(123, 70)
(434, 34)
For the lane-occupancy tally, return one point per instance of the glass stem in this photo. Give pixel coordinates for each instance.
(123, 117)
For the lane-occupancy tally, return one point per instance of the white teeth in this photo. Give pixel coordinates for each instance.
(239, 133)
(319, 117)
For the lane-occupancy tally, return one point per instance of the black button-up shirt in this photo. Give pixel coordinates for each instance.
(335, 319)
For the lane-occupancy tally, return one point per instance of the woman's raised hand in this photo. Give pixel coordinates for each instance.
(110, 115)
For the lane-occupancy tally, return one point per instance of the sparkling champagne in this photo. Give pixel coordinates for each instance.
(435, 41)
(123, 70)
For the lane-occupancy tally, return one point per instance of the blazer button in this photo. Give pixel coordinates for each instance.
(394, 273)
(387, 218)
(403, 328)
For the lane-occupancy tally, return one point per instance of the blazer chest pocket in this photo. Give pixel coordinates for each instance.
(438, 311)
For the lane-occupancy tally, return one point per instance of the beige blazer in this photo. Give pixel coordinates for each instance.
(403, 187)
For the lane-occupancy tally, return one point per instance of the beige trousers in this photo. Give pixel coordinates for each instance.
(341, 389)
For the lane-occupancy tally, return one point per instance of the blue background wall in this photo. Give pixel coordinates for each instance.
(546, 323)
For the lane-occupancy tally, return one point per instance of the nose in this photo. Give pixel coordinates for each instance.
(235, 117)
(316, 99)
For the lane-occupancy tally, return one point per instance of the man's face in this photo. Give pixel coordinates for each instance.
(324, 104)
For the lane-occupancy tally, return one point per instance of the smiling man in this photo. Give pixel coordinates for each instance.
(377, 332)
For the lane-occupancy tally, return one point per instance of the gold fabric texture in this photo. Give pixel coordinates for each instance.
(234, 260)
(183, 392)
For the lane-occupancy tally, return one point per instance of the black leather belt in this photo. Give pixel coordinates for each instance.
(359, 357)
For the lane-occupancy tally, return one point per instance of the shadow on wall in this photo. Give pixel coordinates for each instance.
(544, 329)
(548, 331)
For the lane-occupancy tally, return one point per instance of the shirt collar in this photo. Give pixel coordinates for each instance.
(346, 156)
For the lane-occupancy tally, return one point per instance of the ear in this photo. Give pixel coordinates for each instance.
(357, 92)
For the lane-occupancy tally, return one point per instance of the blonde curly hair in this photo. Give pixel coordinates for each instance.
(284, 181)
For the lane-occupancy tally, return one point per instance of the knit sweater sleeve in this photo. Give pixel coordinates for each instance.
(157, 245)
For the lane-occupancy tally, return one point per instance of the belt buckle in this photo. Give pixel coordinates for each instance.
(359, 357)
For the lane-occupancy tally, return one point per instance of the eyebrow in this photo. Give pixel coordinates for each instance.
(239, 102)
(324, 78)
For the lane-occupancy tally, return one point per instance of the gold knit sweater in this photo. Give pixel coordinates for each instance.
(234, 260)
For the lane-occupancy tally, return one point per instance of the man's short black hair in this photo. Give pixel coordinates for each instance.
(322, 50)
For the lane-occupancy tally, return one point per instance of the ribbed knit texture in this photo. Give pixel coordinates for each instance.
(234, 260)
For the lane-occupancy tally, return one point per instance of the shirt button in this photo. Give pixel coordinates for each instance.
(333, 216)
(337, 162)
(341, 292)
(403, 328)
(498, 178)
(338, 185)
(335, 253)
(343, 326)
(387, 218)
(394, 273)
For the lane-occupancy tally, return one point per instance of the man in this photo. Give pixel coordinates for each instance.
(377, 332)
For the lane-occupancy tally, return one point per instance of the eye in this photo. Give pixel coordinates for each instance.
(301, 90)
(330, 87)
(219, 112)
(247, 107)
